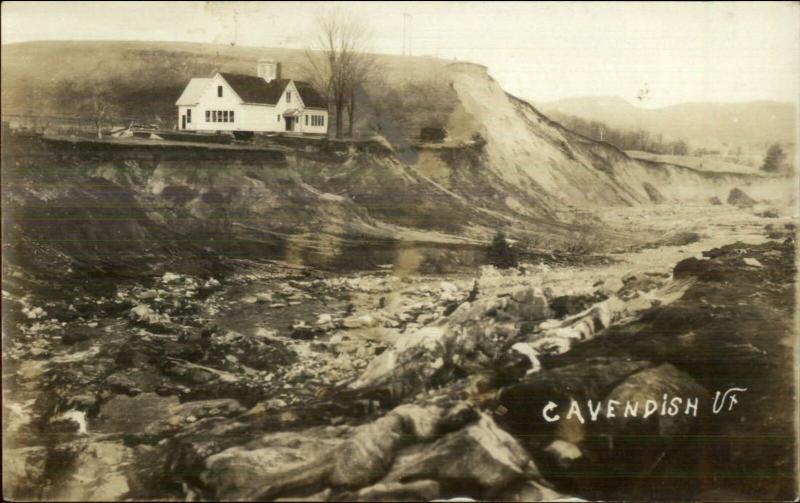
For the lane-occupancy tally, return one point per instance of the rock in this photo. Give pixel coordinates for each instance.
(369, 453)
(272, 464)
(190, 412)
(752, 262)
(653, 384)
(83, 402)
(23, 472)
(363, 321)
(704, 270)
(653, 193)
(34, 313)
(264, 297)
(525, 348)
(99, 474)
(120, 383)
(592, 379)
(480, 454)
(75, 335)
(531, 305)
(417, 490)
(406, 365)
(530, 490)
(144, 314)
(737, 197)
(194, 373)
(324, 319)
(249, 299)
(768, 214)
(567, 305)
(715, 201)
(70, 420)
(132, 414)
(680, 239)
(564, 453)
(611, 286)
(170, 277)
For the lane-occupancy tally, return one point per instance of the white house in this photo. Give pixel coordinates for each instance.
(263, 103)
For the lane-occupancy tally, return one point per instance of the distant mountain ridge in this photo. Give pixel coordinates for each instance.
(750, 123)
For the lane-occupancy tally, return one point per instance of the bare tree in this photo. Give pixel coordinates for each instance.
(338, 62)
(100, 106)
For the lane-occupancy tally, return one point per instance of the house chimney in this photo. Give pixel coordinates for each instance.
(269, 69)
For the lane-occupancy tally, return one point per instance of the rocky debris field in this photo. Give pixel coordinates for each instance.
(279, 381)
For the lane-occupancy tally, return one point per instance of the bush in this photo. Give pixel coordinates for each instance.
(500, 253)
(775, 160)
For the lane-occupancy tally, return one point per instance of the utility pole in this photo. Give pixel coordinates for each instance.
(406, 34)
(235, 27)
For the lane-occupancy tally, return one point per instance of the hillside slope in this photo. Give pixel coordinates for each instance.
(146, 78)
(505, 166)
(543, 167)
(701, 124)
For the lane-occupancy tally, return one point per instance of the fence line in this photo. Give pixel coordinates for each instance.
(68, 118)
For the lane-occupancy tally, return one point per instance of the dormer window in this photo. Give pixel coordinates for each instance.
(288, 96)
(219, 91)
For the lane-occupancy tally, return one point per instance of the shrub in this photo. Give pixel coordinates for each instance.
(500, 253)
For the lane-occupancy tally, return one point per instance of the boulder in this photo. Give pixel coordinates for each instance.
(132, 414)
(703, 270)
(737, 197)
(189, 412)
(23, 472)
(653, 384)
(752, 262)
(479, 455)
(274, 463)
(521, 405)
(75, 335)
(99, 474)
(368, 454)
(145, 314)
(410, 363)
(417, 490)
(563, 453)
(531, 490)
(120, 383)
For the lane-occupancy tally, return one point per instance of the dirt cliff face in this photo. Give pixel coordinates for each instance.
(541, 166)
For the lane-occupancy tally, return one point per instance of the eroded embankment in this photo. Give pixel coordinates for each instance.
(550, 166)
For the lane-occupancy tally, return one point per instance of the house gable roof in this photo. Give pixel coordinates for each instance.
(254, 89)
(311, 98)
(192, 93)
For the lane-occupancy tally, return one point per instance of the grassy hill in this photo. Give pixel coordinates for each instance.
(750, 124)
(145, 78)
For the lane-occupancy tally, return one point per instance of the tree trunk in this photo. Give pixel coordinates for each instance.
(351, 112)
(339, 116)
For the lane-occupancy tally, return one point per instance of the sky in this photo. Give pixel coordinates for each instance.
(662, 52)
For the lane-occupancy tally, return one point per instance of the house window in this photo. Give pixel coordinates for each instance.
(208, 115)
(321, 120)
(219, 91)
(288, 96)
(214, 116)
(279, 117)
(188, 115)
(306, 120)
(231, 115)
(225, 116)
